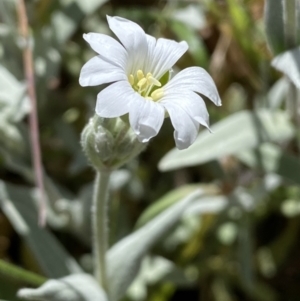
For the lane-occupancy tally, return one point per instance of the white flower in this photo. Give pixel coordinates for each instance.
(138, 69)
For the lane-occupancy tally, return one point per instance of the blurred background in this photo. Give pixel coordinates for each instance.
(242, 242)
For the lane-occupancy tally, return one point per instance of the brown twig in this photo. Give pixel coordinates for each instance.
(33, 119)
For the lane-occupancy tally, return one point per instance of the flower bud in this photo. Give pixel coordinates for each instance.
(109, 143)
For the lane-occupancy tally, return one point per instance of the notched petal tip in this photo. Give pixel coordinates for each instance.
(145, 133)
(219, 102)
(202, 121)
(180, 143)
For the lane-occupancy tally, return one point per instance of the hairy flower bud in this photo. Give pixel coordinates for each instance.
(109, 143)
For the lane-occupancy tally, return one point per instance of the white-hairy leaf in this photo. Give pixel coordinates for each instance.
(289, 64)
(80, 287)
(125, 257)
(237, 132)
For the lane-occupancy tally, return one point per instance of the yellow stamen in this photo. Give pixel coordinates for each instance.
(144, 85)
(140, 74)
(142, 82)
(131, 79)
(153, 81)
(157, 94)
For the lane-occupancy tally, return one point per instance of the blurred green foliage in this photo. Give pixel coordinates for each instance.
(242, 242)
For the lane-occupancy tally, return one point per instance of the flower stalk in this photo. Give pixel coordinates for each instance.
(100, 226)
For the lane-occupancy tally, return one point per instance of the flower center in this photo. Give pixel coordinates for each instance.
(146, 86)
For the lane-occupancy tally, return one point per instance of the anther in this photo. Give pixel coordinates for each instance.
(157, 94)
(142, 82)
(131, 79)
(153, 81)
(140, 74)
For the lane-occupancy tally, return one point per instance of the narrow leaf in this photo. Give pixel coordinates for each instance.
(170, 199)
(81, 287)
(277, 93)
(17, 204)
(270, 158)
(125, 257)
(290, 23)
(238, 132)
(289, 64)
(274, 23)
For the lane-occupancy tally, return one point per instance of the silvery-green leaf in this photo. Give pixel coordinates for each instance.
(274, 23)
(71, 142)
(10, 88)
(124, 258)
(277, 93)
(14, 104)
(119, 178)
(191, 15)
(154, 269)
(88, 7)
(291, 22)
(208, 204)
(289, 64)
(272, 159)
(237, 132)
(197, 48)
(17, 204)
(66, 20)
(185, 231)
(63, 24)
(213, 204)
(80, 287)
(10, 136)
(169, 199)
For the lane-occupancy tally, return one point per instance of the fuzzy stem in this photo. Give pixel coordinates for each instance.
(100, 226)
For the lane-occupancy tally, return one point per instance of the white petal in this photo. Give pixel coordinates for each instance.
(195, 79)
(186, 129)
(133, 37)
(97, 72)
(114, 100)
(191, 103)
(108, 48)
(146, 118)
(151, 41)
(165, 55)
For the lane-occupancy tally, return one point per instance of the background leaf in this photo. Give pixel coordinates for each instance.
(124, 258)
(274, 10)
(81, 287)
(18, 205)
(239, 131)
(271, 159)
(289, 64)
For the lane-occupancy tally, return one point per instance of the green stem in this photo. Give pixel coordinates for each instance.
(100, 227)
(21, 275)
